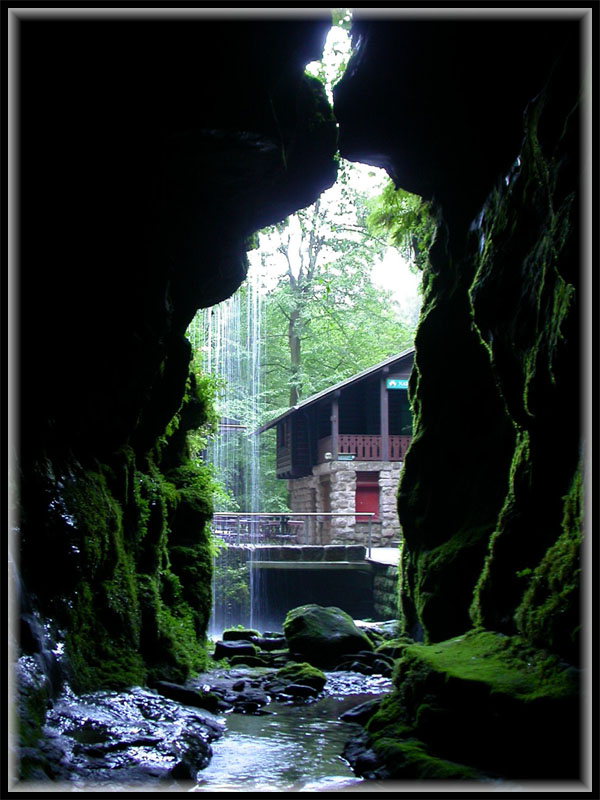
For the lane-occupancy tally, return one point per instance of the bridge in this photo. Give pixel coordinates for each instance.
(285, 569)
(283, 540)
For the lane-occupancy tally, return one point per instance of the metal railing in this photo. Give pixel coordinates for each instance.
(278, 528)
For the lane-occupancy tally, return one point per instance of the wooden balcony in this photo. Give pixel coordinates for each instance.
(366, 448)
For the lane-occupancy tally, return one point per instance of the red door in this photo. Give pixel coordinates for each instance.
(367, 494)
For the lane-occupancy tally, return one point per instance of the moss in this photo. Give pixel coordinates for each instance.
(321, 635)
(479, 703)
(104, 614)
(530, 260)
(549, 611)
(394, 742)
(131, 539)
(394, 647)
(408, 758)
(391, 716)
(302, 673)
(504, 664)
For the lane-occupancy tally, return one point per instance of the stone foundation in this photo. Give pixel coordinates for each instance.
(385, 593)
(310, 495)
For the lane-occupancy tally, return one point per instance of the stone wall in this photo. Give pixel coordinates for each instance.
(307, 495)
(385, 592)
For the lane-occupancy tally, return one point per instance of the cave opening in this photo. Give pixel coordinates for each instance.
(143, 173)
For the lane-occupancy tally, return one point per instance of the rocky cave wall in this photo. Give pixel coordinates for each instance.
(490, 500)
(150, 152)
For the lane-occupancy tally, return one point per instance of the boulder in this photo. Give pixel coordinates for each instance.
(321, 636)
(248, 661)
(187, 696)
(362, 712)
(239, 634)
(269, 643)
(234, 648)
(303, 674)
(299, 691)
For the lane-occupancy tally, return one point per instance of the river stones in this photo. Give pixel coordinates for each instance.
(188, 697)
(362, 712)
(322, 635)
(193, 754)
(299, 691)
(228, 649)
(302, 674)
(239, 634)
(269, 643)
(368, 662)
(127, 738)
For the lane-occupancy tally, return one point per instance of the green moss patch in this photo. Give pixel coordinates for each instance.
(304, 674)
(503, 664)
(408, 758)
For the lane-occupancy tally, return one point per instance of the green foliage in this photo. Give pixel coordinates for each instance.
(325, 319)
(342, 18)
(407, 221)
(232, 585)
(136, 537)
(336, 52)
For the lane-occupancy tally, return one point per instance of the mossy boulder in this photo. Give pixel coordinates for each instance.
(322, 635)
(394, 647)
(240, 634)
(483, 700)
(303, 674)
(234, 648)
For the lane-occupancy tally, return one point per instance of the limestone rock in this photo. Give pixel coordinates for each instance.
(322, 635)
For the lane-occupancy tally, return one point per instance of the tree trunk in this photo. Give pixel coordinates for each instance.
(294, 342)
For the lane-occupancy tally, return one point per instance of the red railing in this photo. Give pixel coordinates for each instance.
(366, 448)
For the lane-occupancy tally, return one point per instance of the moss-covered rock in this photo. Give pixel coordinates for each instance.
(486, 701)
(240, 634)
(131, 539)
(302, 673)
(322, 635)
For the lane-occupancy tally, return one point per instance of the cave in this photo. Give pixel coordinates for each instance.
(150, 151)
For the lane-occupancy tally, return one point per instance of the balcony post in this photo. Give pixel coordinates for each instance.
(384, 416)
(335, 425)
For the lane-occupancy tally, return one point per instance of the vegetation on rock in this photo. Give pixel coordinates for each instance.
(482, 703)
(322, 635)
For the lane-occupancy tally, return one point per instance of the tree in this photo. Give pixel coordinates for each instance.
(407, 221)
(324, 319)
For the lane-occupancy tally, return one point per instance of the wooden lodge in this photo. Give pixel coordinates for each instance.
(342, 450)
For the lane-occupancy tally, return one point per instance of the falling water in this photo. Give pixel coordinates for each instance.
(228, 336)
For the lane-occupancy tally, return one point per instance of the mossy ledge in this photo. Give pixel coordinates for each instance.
(479, 704)
(129, 543)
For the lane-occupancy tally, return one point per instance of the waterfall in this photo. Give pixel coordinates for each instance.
(227, 343)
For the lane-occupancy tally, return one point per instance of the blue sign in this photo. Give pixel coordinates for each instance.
(396, 383)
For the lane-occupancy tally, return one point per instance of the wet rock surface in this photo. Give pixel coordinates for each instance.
(163, 734)
(323, 636)
(124, 737)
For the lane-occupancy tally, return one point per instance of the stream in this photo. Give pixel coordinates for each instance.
(296, 747)
(141, 740)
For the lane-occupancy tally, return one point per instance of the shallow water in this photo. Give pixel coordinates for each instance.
(297, 748)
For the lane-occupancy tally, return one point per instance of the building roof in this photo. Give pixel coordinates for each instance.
(388, 362)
